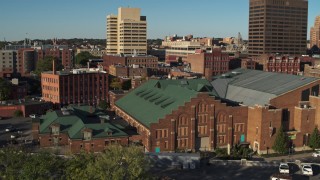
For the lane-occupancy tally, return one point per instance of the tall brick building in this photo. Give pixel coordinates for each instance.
(315, 33)
(278, 26)
(236, 107)
(78, 86)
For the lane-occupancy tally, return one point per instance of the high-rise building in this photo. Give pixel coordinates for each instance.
(315, 33)
(127, 32)
(278, 26)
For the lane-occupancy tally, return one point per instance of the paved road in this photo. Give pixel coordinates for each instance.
(226, 172)
(21, 124)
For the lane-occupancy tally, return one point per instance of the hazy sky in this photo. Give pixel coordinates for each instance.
(45, 19)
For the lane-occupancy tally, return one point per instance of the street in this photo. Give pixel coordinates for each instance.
(23, 125)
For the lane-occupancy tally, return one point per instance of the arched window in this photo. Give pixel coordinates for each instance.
(203, 107)
(183, 120)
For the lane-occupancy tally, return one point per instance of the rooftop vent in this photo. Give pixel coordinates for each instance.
(236, 72)
(226, 75)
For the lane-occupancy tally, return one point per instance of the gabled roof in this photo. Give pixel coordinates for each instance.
(252, 87)
(74, 122)
(156, 98)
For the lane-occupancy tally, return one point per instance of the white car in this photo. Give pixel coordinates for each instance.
(32, 115)
(9, 128)
(307, 170)
(316, 153)
(284, 168)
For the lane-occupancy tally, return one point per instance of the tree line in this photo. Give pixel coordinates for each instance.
(116, 162)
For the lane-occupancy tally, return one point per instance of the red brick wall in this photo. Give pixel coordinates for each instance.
(260, 119)
(95, 145)
(110, 59)
(290, 100)
(47, 140)
(192, 112)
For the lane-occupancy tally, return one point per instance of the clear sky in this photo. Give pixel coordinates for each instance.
(45, 19)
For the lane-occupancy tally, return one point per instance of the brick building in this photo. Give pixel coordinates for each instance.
(126, 71)
(26, 61)
(209, 64)
(249, 64)
(8, 63)
(78, 128)
(27, 107)
(239, 106)
(146, 61)
(19, 89)
(63, 54)
(287, 64)
(311, 71)
(78, 86)
(277, 27)
(28, 58)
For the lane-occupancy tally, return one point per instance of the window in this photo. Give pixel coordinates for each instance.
(161, 133)
(221, 139)
(166, 144)
(202, 130)
(183, 131)
(183, 120)
(239, 127)
(106, 143)
(87, 135)
(182, 143)
(221, 128)
(55, 129)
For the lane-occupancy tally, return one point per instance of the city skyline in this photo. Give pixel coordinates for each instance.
(85, 19)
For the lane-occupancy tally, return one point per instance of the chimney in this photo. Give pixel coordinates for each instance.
(53, 67)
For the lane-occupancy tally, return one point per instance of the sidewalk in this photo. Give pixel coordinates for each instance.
(289, 158)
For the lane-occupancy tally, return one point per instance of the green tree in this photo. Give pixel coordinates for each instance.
(46, 65)
(5, 89)
(17, 113)
(103, 104)
(43, 165)
(83, 58)
(314, 141)
(119, 162)
(281, 142)
(115, 84)
(77, 167)
(11, 161)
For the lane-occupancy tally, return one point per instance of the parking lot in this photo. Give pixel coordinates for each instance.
(15, 131)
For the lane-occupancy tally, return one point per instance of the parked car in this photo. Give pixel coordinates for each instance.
(33, 115)
(307, 170)
(10, 128)
(278, 176)
(12, 136)
(284, 168)
(316, 153)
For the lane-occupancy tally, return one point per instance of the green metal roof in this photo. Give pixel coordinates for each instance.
(76, 120)
(155, 99)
